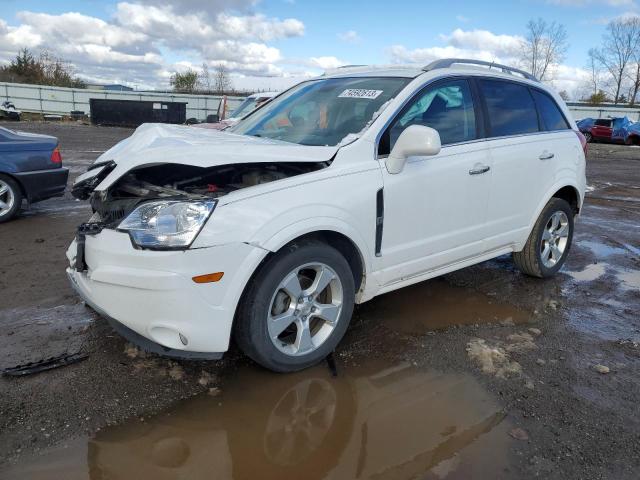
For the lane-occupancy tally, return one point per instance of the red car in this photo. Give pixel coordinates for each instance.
(600, 131)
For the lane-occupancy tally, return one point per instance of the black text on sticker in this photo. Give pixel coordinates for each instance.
(360, 93)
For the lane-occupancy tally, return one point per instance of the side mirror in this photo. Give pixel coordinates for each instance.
(414, 141)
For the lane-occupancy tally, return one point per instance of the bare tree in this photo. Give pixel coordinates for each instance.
(221, 79)
(596, 75)
(620, 44)
(634, 72)
(205, 78)
(544, 46)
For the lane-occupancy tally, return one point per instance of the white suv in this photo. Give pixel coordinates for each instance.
(340, 189)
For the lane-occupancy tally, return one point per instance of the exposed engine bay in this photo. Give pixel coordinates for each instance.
(177, 181)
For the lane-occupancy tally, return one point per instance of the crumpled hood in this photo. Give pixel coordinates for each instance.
(156, 143)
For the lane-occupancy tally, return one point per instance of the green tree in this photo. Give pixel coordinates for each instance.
(46, 69)
(185, 82)
(597, 98)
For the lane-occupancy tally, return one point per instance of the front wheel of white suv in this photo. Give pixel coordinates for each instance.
(549, 242)
(297, 307)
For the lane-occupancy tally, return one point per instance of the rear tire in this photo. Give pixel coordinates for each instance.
(287, 320)
(10, 198)
(549, 242)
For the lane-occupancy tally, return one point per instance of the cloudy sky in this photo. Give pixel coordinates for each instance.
(274, 43)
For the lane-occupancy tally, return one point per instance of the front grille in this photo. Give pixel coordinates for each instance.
(113, 211)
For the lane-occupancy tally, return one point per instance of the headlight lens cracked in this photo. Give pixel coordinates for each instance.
(167, 223)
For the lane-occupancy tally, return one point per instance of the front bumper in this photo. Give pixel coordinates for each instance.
(150, 297)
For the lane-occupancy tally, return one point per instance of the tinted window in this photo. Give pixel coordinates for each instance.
(445, 107)
(602, 123)
(552, 117)
(511, 108)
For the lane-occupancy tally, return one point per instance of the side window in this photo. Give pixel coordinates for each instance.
(552, 117)
(511, 108)
(446, 107)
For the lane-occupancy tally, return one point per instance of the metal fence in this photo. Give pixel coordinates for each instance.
(62, 101)
(580, 111)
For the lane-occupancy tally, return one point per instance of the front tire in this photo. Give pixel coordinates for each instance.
(297, 307)
(10, 198)
(588, 137)
(549, 242)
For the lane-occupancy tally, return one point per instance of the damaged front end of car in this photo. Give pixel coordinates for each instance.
(164, 206)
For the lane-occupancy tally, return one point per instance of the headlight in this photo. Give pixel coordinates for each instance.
(167, 223)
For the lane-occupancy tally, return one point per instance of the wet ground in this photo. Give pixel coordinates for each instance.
(483, 373)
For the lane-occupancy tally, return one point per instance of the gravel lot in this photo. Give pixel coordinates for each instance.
(482, 373)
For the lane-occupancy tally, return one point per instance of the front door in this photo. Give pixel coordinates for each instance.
(435, 209)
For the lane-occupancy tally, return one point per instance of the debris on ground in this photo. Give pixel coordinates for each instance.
(214, 391)
(519, 434)
(520, 342)
(206, 378)
(131, 351)
(535, 331)
(493, 360)
(176, 372)
(553, 304)
(45, 364)
(601, 369)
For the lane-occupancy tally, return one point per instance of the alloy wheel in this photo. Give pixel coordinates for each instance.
(555, 237)
(7, 198)
(305, 309)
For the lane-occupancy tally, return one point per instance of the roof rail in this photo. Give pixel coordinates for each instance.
(448, 62)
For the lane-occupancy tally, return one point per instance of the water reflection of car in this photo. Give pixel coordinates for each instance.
(30, 169)
(247, 106)
(373, 422)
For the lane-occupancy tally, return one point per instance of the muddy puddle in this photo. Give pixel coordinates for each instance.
(436, 304)
(377, 420)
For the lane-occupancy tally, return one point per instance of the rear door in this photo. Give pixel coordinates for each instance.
(602, 129)
(523, 160)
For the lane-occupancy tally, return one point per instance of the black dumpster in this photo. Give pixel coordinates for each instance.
(131, 113)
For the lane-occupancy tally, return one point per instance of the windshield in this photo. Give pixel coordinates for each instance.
(322, 112)
(245, 107)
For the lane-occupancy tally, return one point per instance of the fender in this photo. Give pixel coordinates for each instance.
(559, 184)
(315, 224)
(300, 228)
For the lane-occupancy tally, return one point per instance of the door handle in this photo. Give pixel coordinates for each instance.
(546, 156)
(479, 170)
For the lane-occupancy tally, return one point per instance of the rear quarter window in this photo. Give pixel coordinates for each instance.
(511, 108)
(550, 114)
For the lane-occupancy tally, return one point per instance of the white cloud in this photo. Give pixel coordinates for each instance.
(134, 45)
(500, 45)
(487, 46)
(325, 63)
(350, 36)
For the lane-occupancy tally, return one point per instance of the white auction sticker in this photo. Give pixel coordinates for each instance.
(360, 93)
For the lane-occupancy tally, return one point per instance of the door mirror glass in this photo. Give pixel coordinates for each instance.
(414, 141)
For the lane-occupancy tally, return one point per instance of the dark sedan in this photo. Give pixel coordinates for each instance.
(30, 169)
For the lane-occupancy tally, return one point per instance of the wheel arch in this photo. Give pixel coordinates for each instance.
(567, 190)
(18, 182)
(339, 238)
